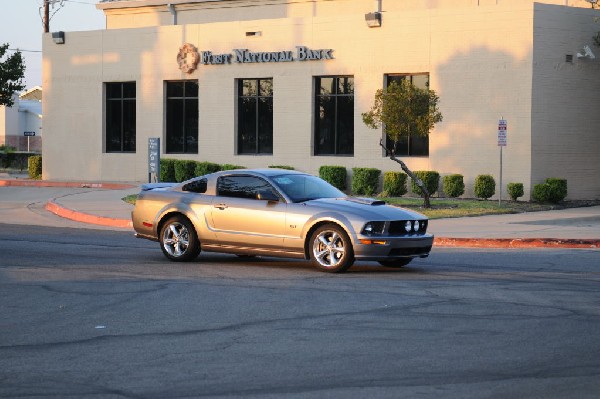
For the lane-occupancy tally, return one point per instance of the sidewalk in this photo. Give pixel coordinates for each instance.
(102, 204)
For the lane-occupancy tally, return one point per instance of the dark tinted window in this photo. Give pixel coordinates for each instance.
(255, 116)
(334, 115)
(241, 186)
(196, 186)
(182, 117)
(120, 122)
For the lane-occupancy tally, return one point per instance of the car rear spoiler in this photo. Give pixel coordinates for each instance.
(157, 186)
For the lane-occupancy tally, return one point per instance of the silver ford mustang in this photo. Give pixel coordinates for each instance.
(275, 212)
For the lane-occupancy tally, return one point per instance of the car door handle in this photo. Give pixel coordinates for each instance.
(220, 206)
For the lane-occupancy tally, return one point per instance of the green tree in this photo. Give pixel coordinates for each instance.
(404, 110)
(12, 69)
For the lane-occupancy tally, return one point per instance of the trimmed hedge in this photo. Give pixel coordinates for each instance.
(365, 181)
(334, 175)
(558, 189)
(204, 168)
(453, 185)
(553, 190)
(184, 170)
(394, 184)
(167, 170)
(287, 167)
(34, 164)
(515, 190)
(430, 178)
(485, 186)
(6, 155)
(228, 166)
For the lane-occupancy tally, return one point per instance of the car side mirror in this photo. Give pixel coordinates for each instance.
(267, 195)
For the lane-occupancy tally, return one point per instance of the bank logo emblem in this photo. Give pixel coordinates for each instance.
(188, 58)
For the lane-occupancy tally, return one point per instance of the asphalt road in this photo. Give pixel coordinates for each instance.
(100, 314)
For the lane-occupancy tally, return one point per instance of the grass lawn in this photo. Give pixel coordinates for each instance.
(456, 208)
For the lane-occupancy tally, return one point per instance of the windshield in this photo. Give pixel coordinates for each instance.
(301, 188)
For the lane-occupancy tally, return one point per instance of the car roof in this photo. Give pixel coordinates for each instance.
(266, 172)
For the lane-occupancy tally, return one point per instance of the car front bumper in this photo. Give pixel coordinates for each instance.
(388, 248)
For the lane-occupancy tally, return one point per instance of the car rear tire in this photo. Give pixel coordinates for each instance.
(178, 239)
(396, 262)
(330, 249)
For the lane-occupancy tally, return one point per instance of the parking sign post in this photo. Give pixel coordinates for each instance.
(502, 131)
(154, 159)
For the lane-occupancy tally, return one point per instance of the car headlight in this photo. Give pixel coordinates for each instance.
(373, 228)
(408, 226)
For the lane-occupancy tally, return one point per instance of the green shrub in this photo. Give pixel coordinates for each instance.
(365, 181)
(394, 184)
(541, 192)
(287, 167)
(34, 164)
(184, 170)
(553, 190)
(167, 170)
(6, 155)
(228, 166)
(515, 190)
(430, 178)
(334, 175)
(558, 189)
(485, 186)
(453, 185)
(204, 168)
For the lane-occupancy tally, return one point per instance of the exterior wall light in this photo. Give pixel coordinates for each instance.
(373, 19)
(58, 37)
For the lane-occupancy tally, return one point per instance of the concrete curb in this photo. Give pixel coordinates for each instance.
(59, 210)
(67, 213)
(516, 243)
(44, 183)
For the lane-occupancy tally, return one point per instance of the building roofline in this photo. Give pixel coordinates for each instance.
(115, 4)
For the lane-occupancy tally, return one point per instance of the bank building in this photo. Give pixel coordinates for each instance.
(284, 82)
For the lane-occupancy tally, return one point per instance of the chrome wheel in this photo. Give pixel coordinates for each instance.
(178, 239)
(331, 249)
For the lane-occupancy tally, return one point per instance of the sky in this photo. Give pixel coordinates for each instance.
(21, 27)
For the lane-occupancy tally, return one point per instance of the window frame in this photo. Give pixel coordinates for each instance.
(122, 99)
(185, 100)
(257, 116)
(317, 98)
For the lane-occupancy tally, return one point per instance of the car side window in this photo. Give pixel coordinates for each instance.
(242, 186)
(196, 186)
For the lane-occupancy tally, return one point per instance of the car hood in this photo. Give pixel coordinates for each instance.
(368, 208)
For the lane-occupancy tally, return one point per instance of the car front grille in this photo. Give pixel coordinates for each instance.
(397, 228)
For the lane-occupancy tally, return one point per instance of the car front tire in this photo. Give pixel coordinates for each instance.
(178, 239)
(330, 249)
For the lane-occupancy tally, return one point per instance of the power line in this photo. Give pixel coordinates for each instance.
(24, 51)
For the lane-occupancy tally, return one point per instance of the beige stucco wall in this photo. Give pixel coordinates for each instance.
(480, 60)
(566, 105)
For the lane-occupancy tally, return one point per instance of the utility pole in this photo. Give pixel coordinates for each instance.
(46, 19)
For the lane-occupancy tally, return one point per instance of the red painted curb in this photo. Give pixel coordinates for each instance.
(42, 183)
(438, 242)
(517, 242)
(67, 213)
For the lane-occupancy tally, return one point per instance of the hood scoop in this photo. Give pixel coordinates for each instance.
(365, 201)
